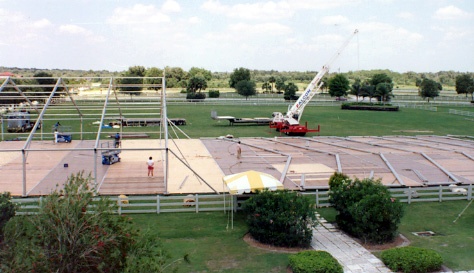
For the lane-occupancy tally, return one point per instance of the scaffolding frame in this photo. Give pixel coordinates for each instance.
(40, 94)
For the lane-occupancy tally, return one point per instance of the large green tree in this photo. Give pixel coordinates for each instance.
(465, 85)
(195, 71)
(155, 73)
(338, 86)
(239, 74)
(382, 85)
(356, 89)
(196, 84)
(266, 86)
(46, 79)
(272, 81)
(132, 80)
(246, 88)
(290, 91)
(429, 89)
(383, 91)
(175, 77)
(280, 84)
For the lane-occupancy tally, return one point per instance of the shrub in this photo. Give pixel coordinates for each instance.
(412, 259)
(66, 236)
(314, 262)
(195, 96)
(365, 208)
(214, 93)
(7, 211)
(281, 218)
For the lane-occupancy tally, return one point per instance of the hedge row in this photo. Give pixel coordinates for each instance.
(412, 259)
(312, 261)
(370, 107)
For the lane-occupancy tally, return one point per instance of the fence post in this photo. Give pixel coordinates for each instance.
(196, 203)
(119, 200)
(317, 198)
(469, 192)
(409, 195)
(158, 204)
(440, 193)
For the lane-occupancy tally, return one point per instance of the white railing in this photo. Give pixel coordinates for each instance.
(461, 113)
(212, 202)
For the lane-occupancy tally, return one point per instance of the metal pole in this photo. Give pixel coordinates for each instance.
(23, 152)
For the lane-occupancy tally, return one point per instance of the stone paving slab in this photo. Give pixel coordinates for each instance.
(351, 255)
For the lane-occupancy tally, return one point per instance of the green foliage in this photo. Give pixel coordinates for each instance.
(338, 86)
(365, 208)
(214, 93)
(383, 91)
(465, 84)
(7, 211)
(280, 218)
(429, 89)
(368, 106)
(195, 96)
(412, 259)
(290, 91)
(314, 262)
(132, 80)
(239, 74)
(246, 88)
(195, 71)
(71, 233)
(147, 255)
(196, 84)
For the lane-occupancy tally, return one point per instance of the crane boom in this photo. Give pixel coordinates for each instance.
(315, 85)
(289, 123)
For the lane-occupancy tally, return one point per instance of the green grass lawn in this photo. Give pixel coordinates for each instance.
(333, 121)
(210, 242)
(453, 240)
(214, 247)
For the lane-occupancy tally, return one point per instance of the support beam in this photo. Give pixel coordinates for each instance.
(448, 173)
(394, 172)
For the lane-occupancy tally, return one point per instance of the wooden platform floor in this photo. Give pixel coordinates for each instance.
(198, 165)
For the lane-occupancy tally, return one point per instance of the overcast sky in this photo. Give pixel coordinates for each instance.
(221, 35)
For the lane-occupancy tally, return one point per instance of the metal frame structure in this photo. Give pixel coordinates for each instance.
(40, 94)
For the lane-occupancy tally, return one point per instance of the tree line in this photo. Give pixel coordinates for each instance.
(377, 84)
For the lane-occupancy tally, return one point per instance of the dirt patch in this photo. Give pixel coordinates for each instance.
(252, 242)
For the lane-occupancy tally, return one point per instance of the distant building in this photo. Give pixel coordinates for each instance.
(7, 74)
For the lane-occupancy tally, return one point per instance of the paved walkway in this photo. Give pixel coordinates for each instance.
(350, 254)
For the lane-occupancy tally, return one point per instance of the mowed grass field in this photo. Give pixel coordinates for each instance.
(332, 119)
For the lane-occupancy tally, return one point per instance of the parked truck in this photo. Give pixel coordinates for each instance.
(20, 122)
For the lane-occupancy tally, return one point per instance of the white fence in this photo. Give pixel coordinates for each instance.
(461, 113)
(212, 202)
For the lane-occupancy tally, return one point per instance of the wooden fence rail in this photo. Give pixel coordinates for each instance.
(211, 202)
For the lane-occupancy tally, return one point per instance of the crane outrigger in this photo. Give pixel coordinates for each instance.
(289, 123)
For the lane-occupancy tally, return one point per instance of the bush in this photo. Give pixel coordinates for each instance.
(281, 218)
(365, 208)
(214, 93)
(368, 106)
(314, 262)
(198, 96)
(412, 259)
(66, 236)
(7, 211)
